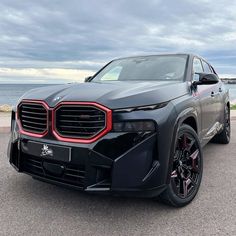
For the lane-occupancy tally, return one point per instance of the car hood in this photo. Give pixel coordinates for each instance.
(111, 94)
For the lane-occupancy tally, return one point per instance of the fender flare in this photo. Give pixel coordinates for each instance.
(187, 113)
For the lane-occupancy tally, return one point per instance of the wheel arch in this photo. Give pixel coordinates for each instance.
(191, 121)
(189, 117)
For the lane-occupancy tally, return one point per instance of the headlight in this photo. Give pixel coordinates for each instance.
(142, 108)
(134, 126)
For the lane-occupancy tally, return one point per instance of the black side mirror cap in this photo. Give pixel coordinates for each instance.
(205, 79)
(88, 79)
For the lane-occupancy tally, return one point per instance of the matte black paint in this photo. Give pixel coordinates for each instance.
(131, 163)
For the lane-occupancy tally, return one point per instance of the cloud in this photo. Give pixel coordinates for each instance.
(84, 35)
(49, 75)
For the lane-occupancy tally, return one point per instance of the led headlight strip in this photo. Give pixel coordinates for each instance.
(142, 108)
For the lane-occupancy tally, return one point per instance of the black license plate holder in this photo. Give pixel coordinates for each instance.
(47, 151)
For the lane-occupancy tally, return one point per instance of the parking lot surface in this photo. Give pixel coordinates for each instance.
(31, 207)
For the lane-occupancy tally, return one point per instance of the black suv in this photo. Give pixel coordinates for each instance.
(137, 127)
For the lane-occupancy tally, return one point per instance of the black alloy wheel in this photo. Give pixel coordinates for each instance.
(187, 168)
(185, 172)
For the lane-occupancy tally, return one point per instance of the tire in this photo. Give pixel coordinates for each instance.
(186, 169)
(224, 136)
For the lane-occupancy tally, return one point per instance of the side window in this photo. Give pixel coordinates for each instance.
(197, 68)
(206, 67)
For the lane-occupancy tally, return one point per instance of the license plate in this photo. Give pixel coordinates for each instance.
(47, 151)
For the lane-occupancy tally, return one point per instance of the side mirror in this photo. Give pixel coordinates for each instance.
(87, 79)
(205, 79)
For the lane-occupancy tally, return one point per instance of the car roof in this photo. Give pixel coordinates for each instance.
(162, 54)
(190, 55)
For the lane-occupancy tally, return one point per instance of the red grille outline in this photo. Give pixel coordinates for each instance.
(107, 128)
(22, 131)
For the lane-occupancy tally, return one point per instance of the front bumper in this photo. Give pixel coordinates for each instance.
(133, 173)
(132, 164)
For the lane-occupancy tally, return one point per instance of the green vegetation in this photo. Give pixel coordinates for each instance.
(233, 107)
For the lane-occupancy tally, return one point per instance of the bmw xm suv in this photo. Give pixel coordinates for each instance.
(136, 128)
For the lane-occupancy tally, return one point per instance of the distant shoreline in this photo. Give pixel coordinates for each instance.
(229, 81)
(5, 108)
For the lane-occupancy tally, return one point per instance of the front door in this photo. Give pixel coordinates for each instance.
(206, 96)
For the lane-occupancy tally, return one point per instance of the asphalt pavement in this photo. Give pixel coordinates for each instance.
(31, 207)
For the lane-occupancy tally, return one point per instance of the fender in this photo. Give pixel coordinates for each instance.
(187, 113)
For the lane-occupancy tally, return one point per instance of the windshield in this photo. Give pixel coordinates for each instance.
(166, 67)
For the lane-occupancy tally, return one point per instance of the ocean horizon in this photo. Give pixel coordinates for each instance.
(11, 93)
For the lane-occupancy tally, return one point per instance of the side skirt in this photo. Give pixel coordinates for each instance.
(215, 129)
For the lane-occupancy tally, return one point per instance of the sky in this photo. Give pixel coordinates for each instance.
(65, 41)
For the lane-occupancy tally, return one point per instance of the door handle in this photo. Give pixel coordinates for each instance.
(220, 90)
(212, 94)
